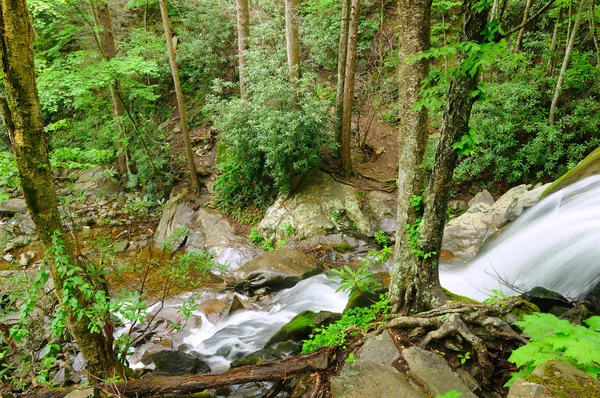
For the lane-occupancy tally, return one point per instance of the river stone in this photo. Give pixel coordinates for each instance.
(379, 349)
(523, 202)
(10, 207)
(360, 379)
(482, 197)
(592, 299)
(277, 269)
(589, 166)
(319, 206)
(433, 373)
(178, 363)
(546, 299)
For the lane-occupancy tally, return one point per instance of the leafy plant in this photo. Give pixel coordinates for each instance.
(353, 322)
(494, 297)
(464, 357)
(381, 238)
(554, 338)
(254, 236)
(450, 394)
(361, 279)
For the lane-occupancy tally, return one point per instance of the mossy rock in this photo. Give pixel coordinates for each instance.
(457, 297)
(364, 299)
(519, 312)
(587, 167)
(302, 325)
(546, 299)
(563, 380)
(276, 352)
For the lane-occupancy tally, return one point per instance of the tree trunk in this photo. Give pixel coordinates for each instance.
(9, 126)
(522, 30)
(341, 72)
(31, 156)
(565, 64)
(108, 49)
(593, 33)
(291, 35)
(550, 68)
(243, 23)
(414, 25)
(179, 94)
(455, 124)
(348, 102)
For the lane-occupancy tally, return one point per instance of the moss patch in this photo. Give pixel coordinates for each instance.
(458, 297)
(564, 381)
(298, 329)
(587, 167)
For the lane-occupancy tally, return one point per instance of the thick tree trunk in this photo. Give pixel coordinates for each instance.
(291, 35)
(455, 124)
(522, 30)
(9, 126)
(348, 102)
(414, 21)
(179, 94)
(109, 51)
(341, 71)
(565, 64)
(243, 30)
(31, 156)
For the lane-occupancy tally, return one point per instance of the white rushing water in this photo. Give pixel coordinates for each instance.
(555, 244)
(247, 331)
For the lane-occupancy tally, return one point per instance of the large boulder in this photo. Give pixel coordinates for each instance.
(589, 166)
(10, 207)
(96, 182)
(177, 363)
(302, 325)
(464, 235)
(276, 269)
(319, 206)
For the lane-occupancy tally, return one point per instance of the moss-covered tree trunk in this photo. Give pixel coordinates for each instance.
(341, 71)
(455, 124)
(108, 49)
(31, 156)
(179, 93)
(409, 286)
(243, 31)
(292, 40)
(348, 101)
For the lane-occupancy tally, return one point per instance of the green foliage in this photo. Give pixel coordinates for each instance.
(9, 174)
(353, 322)
(554, 338)
(495, 296)
(361, 279)
(464, 357)
(381, 238)
(254, 236)
(450, 394)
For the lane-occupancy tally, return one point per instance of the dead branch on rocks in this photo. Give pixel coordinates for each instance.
(466, 320)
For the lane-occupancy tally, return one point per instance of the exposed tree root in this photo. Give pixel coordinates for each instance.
(472, 322)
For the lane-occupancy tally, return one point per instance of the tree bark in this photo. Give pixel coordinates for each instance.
(291, 35)
(9, 126)
(348, 102)
(522, 30)
(593, 31)
(414, 24)
(243, 26)
(108, 49)
(179, 94)
(565, 64)
(341, 72)
(455, 124)
(31, 156)
(550, 68)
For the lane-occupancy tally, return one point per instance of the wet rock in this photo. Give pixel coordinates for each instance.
(525, 389)
(61, 377)
(302, 325)
(592, 299)
(11, 207)
(95, 182)
(433, 373)
(177, 216)
(121, 246)
(379, 349)
(546, 299)
(277, 351)
(482, 197)
(26, 258)
(177, 363)
(523, 202)
(163, 345)
(577, 314)
(236, 305)
(277, 269)
(319, 206)
(587, 167)
(360, 379)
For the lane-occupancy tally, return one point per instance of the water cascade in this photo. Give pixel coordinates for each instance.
(247, 331)
(555, 244)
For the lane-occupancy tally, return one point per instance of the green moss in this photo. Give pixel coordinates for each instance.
(342, 248)
(525, 308)
(298, 329)
(458, 297)
(565, 386)
(587, 167)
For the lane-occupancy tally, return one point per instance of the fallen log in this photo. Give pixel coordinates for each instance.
(159, 386)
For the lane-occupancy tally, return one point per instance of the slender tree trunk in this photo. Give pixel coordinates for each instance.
(108, 49)
(349, 86)
(415, 26)
(565, 64)
(341, 72)
(291, 35)
(243, 24)
(9, 126)
(455, 124)
(522, 30)
(593, 33)
(550, 68)
(31, 156)
(179, 94)
(502, 10)
(494, 13)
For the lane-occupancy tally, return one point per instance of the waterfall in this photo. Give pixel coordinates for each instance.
(555, 244)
